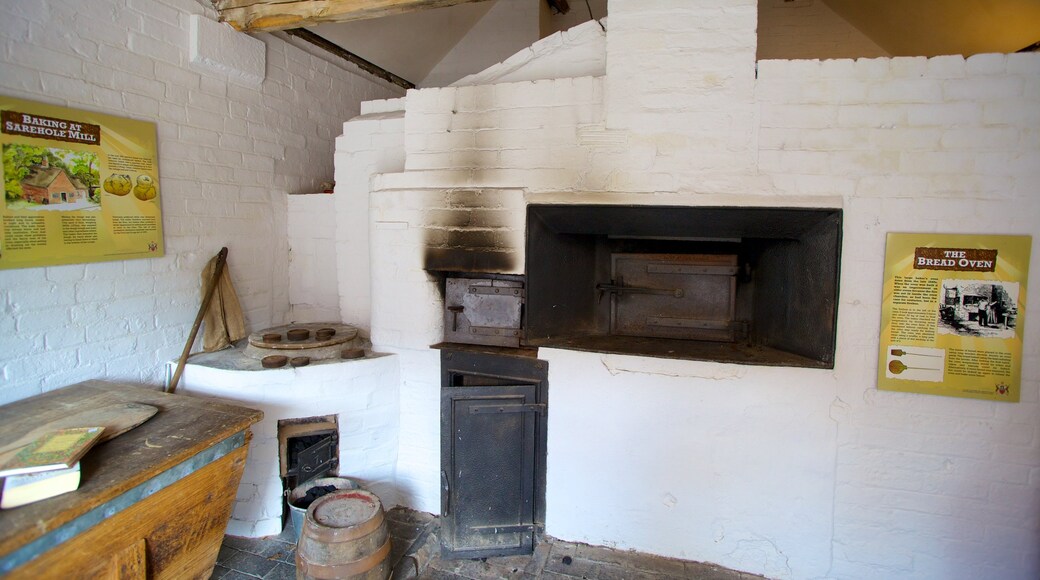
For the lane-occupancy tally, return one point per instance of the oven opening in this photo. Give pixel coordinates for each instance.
(728, 284)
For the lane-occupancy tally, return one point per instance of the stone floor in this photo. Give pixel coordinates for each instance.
(416, 554)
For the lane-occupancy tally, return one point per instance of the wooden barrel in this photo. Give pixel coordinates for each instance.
(344, 537)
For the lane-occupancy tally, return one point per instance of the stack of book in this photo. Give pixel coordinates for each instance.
(46, 467)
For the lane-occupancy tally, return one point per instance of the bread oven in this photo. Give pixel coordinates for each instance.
(730, 284)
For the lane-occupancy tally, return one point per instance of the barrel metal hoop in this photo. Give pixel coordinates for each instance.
(349, 569)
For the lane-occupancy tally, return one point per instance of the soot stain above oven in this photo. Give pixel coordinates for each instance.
(468, 260)
(468, 240)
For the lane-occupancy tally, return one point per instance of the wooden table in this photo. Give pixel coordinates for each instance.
(152, 503)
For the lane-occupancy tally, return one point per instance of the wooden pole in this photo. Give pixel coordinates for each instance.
(369, 67)
(206, 298)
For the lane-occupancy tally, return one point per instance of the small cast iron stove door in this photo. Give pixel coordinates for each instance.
(488, 447)
(314, 460)
(482, 311)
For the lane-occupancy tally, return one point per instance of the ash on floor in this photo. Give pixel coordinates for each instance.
(415, 554)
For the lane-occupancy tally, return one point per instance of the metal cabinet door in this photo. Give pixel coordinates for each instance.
(488, 470)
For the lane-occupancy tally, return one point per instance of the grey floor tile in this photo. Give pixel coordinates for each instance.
(238, 543)
(226, 553)
(287, 557)
(282, 572)
(267, 547)
(273, 558)
(251, 564)
(633, 560)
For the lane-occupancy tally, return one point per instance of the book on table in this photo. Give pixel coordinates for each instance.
(19, 490)
(58, 449)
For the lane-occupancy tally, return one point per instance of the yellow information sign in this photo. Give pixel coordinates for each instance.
(78, 186)
(952, 315)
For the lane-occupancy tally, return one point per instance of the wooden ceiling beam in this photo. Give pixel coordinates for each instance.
(268, 15)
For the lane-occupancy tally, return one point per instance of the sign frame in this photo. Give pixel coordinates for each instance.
(952, 315)
(79, 186)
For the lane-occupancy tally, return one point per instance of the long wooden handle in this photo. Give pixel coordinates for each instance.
(207, 297)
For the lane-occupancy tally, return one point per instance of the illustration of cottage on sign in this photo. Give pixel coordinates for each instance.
(49, 184)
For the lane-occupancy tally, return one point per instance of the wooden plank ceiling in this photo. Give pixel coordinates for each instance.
(268, 15)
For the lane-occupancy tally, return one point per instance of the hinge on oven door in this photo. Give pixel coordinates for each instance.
(497, 291)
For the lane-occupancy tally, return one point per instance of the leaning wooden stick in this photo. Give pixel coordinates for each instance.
(207, 297)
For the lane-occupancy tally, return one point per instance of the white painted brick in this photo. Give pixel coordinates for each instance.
(800, 116)
(944, 114)
(926, 139)
(912, 67)
(52, 61)
(125, 61)
(26, 80)
(986, 64)
(872, 115)
(982, 89)
(1024, 63)
(872, 68)
(1010, 113)
(157, 10)
(55, 84)
(907, 91)
(217, 48)
(149, 46)
(980, 138)
(140, 106)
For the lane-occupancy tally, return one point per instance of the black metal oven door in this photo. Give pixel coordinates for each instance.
(489, 472)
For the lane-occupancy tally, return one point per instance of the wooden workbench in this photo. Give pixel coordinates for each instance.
(152, 503)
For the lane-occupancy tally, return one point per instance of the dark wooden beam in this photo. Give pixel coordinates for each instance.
(560, 6)
(268, 15)
(369, 67)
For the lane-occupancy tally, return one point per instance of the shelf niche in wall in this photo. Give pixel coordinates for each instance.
(784, 288)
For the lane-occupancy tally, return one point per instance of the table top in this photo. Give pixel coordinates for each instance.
(181, 428)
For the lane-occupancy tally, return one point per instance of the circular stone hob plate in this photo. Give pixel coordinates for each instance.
(343, 334)
(346, 336)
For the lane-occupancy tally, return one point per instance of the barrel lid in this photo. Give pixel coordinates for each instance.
(346, 508)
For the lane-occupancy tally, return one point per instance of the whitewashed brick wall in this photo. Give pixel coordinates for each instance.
(228, 153)
(925, 487)
(371, 143)
(503, 134)
(790, 473)
(313, 272)
(362, 394)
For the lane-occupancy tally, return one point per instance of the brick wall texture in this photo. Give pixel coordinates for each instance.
(228, 154)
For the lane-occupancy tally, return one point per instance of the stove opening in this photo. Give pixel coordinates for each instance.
(308, 448)
(730, 284)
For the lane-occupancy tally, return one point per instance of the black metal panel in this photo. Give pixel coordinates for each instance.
(491, 483)
(492, 453)
(677, 221)
(559, 282)
(311, 456)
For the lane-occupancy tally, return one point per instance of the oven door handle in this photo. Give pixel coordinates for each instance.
(445, 494)
(618, 287)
